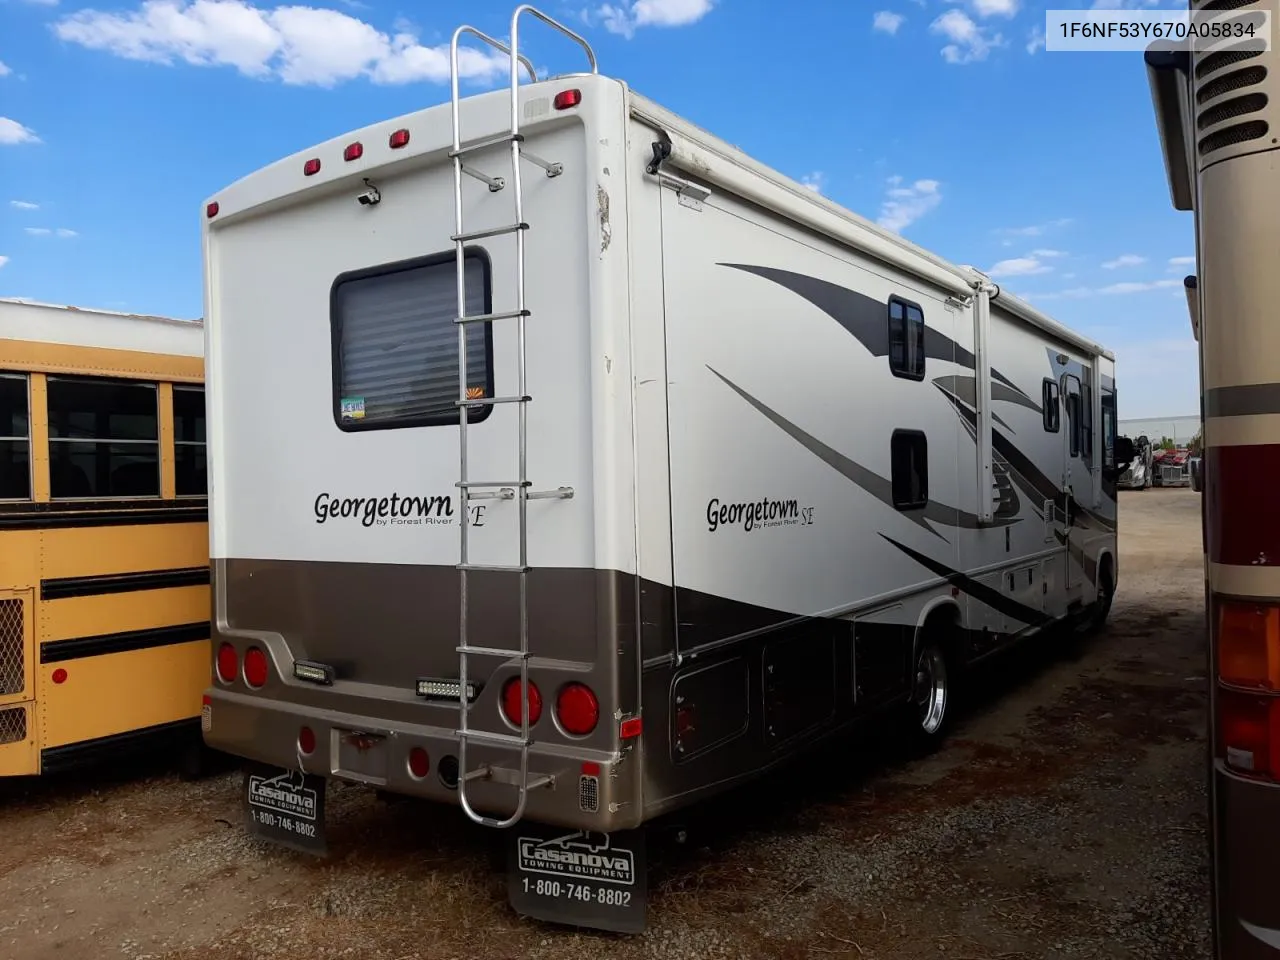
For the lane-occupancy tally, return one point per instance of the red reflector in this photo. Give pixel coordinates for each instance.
(1249, 733)
(211, 210)
(255, 667)
(568, 98)
(59, 676)
(630, 728)
(419, 762)
(590, 769)
(310, 167)
(512, 702)
(307, 740)
(398, 139)
(577, 709)
(228, 663)
(207, 701)
(354, 151)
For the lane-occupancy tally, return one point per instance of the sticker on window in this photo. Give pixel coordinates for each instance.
(352, 408)
(475, 393)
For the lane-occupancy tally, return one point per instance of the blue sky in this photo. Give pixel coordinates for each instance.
(943, 119)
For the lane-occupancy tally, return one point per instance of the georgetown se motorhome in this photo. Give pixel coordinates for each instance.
(737, 469)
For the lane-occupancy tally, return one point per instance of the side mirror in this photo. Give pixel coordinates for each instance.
(1123, 448)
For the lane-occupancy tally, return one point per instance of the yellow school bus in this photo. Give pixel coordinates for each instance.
(104, 551)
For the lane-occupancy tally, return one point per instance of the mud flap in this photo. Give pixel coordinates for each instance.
(285, 807)
(578, 878)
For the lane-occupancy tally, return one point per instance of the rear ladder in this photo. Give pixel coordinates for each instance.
(517, 490)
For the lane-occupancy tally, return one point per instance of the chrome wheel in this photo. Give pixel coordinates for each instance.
(931, 689)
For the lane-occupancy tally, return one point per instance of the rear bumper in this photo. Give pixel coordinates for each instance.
(266, 730)
(1248, 851)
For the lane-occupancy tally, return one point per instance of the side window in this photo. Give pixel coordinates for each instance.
(1086, 421)
(909, 455)
(1049, 403)
(191, 473)
(395, 344)
(1108, 428)
(15, 438)
(906, 339)
(103, 438)
(1074, 421)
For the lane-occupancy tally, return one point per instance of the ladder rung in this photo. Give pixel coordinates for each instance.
(490, 401)
(492, 567)
(560, 493)
(472, 484)
(552, 168)
(492, 652)
(484, 143)
(490, 317)
(491, 232)
(506, 493)
(500, 739)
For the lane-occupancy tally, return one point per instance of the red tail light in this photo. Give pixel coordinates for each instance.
(228, 663)
(307, 741)
(310, 167)
(512, 706)
(1249, 733)
(577, 709)
(211, 210)
(354, 151)
(255, 667)
(1247, 641)
(59, 676)
(419, 762)
(398, 139)
(567, 98)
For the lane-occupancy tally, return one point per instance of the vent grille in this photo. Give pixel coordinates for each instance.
(588, 794)
(1222, 4)
(13, 648)
(1223, 59)
(1230, 109)
(13, 725)
(1241, 133)
(1233, 81)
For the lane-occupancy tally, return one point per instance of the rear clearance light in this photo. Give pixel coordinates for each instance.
(59, 675)
(430, 689)
(398, 139)
(1249, 645)
(211, 210)
(228, 663)
(312, 166)
(354, 151)
(1249, 733)
(577, 709)
(419, 763)
(567, 98)
(306, 741)
(630, 728)
(513, 702)
(255, 667)
(313, 672)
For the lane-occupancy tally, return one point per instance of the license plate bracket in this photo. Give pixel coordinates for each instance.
(285, 807)
(579, 878)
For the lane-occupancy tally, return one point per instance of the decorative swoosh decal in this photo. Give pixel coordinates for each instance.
(979, 591)
(869, 481)
(1267, 935)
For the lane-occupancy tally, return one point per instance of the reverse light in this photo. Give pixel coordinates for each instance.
(354, 151)
(255, 667)
(312, 166)
(567, 98)
(577, 709)
(430, 689)
(398, 139)
(1249, 645)
(228, 663)
(512, 702)
(313, 672)
(419, 763)
(211, 210)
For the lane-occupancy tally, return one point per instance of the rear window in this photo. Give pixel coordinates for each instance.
(395, 344)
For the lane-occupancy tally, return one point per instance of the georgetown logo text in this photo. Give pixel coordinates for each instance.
(395, 510)
(761, 513)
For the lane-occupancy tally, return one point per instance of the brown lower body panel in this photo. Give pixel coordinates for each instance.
(1248, 867)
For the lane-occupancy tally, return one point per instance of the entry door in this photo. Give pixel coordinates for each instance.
(1076, 479)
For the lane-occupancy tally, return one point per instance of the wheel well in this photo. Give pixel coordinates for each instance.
(1106, 561)
(943, 624)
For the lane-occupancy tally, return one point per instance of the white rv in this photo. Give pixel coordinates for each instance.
(739, 469)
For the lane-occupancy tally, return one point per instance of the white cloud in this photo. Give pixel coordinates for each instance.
(1182, 261)
(996, 8)
(296, 44)
(12, 132)
(1035, 230)
(1124, 260)
(1035, 40)
(38, 231)
(1114, 289)
(24, 205)
(3, 260)
(887, 22)
(814, 181)
(1019, 267)
(969, 42)
(625, 18)
(64, 232)
(48, 232)
(1047, 254)
(5, 69)
(903, 206)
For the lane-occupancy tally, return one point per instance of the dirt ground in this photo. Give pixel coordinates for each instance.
(1065, 819)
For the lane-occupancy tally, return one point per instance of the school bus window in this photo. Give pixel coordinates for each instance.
(15, 438)
(189, 442)
(104, 438)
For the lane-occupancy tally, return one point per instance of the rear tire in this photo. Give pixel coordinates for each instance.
(932, 705)
(1106, 596)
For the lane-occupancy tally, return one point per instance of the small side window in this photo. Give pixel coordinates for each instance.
(909, 455)
(1086, 421)
(1052, 409)
(1075, 422)
(906, 339)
